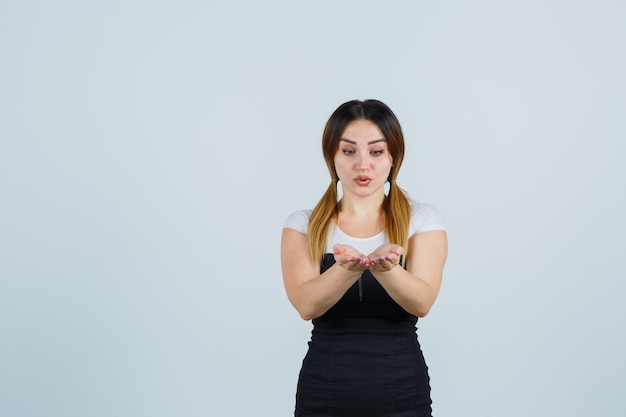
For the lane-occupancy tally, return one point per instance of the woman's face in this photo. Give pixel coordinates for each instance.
(362, 161)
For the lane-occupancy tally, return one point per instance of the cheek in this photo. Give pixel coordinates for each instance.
(340, 161)
(337, 165)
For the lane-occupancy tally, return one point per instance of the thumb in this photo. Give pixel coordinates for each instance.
(397, 250)
(338, 249)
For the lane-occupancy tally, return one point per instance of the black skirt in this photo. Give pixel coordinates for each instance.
(364, 359)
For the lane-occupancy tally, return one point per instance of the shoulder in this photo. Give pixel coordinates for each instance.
(425, 218)
(298, 220)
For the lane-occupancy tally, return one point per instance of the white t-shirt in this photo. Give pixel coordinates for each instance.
(424, 218)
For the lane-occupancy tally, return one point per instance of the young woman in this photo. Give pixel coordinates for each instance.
(363, 269)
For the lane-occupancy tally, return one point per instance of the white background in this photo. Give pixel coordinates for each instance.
(150, 152)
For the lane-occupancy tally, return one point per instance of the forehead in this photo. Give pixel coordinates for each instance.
(362, 131)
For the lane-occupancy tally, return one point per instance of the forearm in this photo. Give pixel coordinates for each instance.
(413, 294)
(315, 296)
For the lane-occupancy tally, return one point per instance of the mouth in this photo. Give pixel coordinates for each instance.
(362, 180)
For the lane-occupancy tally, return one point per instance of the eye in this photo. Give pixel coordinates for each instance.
(348, 152)
(377, 152)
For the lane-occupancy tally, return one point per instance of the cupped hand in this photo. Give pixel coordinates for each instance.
(349, 258)
(384, 258)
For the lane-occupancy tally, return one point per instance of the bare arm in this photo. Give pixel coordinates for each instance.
(310, 292)
(414, 289)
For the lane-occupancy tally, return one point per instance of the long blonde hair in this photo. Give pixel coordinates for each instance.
(395, 209)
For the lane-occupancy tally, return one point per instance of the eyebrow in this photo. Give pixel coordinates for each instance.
(369, 143)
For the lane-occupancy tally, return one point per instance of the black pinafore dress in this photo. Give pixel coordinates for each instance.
(364, 359)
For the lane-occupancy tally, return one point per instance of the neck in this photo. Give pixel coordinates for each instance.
(362, 206)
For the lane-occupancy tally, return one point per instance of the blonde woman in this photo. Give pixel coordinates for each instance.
(363, 269)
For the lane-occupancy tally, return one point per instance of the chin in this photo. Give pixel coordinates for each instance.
(365, 191)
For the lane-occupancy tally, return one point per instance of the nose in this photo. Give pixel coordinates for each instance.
(361, 162)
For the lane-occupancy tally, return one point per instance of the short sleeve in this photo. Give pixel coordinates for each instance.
(298, 220)
(424, 218)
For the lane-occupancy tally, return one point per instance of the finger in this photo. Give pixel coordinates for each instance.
(355, 260)
(387, 262)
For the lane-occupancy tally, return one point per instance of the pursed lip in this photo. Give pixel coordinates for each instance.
(362, 180)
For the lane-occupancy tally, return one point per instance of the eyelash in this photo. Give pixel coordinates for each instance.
(350, 152)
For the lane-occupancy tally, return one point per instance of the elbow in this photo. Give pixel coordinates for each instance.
(421, 311)
(306, 310)
(305, 314)
(306, 317)
(309, 314)
(422, 308)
